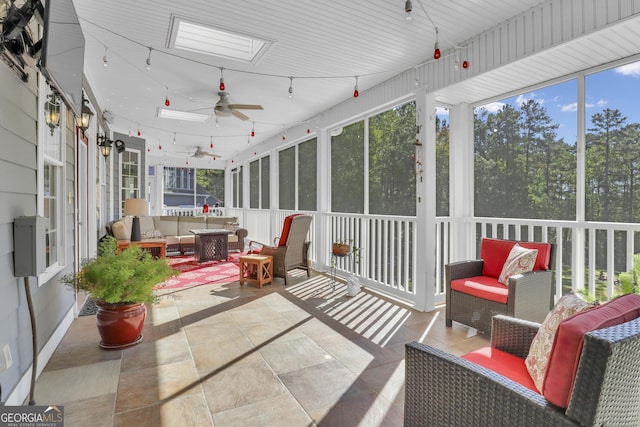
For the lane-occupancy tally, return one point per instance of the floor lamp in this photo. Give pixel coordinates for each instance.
(135, 208)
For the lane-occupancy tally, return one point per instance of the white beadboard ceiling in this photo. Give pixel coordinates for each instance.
(322, 44)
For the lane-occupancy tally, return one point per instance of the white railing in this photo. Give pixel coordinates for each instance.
(176, 211)
(386, 255)
(588, 255)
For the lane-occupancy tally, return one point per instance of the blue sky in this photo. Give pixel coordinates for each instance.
(616, 88)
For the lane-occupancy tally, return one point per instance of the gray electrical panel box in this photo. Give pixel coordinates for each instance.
(29, 245)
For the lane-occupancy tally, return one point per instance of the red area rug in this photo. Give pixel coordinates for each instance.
(194, 274)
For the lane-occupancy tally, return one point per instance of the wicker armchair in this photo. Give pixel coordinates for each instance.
(530, 296)
(291, 249)
(445, 390)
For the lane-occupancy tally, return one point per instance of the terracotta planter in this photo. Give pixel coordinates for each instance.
(341, 249)
(120, 325)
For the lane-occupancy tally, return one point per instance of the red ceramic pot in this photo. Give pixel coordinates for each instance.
(120, 325)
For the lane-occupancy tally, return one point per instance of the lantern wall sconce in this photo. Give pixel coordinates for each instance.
(84, 119)
(105, 145)
(52, 112)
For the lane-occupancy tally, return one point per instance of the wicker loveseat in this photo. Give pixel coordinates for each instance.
(175, 230)
(445, 390)
(474, 295)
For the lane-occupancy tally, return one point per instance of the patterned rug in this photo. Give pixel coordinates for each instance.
(195, 274)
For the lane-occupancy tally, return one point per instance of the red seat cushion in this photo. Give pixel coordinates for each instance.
(503, 363)
(482, 287)
(285, 229)
(494, 252)
(567, 344)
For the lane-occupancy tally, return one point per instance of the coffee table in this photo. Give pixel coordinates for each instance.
(157, 247)
(211, 245)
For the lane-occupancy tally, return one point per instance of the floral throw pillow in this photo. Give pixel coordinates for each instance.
(520, 260)
(538, 356)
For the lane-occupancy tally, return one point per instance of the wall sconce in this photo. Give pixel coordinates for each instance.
(83, 120)
(52, 112)
(105, 145)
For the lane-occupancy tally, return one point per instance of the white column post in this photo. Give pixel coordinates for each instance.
(461, 182)
(425, 205)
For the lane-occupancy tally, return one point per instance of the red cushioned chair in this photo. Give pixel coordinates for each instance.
(592, 378)
(290, 250)
(474, 295)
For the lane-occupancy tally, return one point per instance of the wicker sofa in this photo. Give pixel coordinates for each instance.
(175, 230)
(474, 295)
(445, 390)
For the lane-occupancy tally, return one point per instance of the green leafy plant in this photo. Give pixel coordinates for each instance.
(629, 279)
(128, 276)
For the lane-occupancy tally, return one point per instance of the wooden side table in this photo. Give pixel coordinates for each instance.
(256, 269)
(157, 247)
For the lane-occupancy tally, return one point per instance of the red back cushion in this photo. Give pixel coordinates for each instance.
(285, 229)
(494, 252)
(543, 259)
(567, 344)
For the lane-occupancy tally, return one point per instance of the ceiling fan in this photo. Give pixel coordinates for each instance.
(200, 153)
(224, 109)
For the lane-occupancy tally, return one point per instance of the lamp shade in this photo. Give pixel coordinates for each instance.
(135, 207)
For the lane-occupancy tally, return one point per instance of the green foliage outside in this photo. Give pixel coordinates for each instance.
(116, 277)
(212, 180)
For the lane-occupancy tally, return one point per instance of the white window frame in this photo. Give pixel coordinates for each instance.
(141, 193)
(44, 135)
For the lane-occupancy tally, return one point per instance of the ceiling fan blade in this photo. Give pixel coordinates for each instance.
(239, 115)
(245, 107)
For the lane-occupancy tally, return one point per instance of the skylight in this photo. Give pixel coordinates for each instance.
(195, 37)
(163, 113)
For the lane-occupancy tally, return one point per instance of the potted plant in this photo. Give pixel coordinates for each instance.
(121, 283)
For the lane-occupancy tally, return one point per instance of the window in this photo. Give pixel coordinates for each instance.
(298, 179)
(254, 184)
(525, 155)
(347, 169)
(287, 178)
(211, 182)
(236, 177)
(130, 175)
(612, 149)
(308, 175)
(264, 182)
(375, 157)
(392, 178)
(442, 162)
(51, 190)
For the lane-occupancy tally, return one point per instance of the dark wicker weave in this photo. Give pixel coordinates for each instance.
(445, 390)
(530, 297)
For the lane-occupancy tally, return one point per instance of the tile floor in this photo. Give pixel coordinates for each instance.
(225, 355)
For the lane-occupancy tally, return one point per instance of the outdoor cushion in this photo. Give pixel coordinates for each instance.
(567, 345)
(494, 253)
(285, 230)
(146, 224)
(482, 287)
(538, 358)
(120, 230)
(520, 260)
(503, 363)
